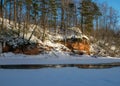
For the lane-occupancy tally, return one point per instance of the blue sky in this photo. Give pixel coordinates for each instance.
(113, 3)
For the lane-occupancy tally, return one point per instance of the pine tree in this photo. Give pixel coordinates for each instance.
(53, 10)
(44, 11)
(10, 9)
(19, 16)
(1, 13)
(88, 12)
(15, 13)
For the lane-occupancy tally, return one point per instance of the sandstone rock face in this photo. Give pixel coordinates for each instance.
(85, 48)
(33, 51)
(6, 49)
(81, 47)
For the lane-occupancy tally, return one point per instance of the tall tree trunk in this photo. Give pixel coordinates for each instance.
(62, 18)
(10, 9)
(28, 16)
(44, 28)
(62, 14)
(15, 19)
(55, 29)
(20, 19)
(82, 29)
(44, 20)
(2, 13)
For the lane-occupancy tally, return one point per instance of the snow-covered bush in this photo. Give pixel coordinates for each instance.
(16, 42)
(102, 48)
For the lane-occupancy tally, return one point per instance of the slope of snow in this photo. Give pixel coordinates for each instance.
(33, 38)
(104, 48)
(60, 77)
(57, 46)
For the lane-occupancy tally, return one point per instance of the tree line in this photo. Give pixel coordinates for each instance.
(90, 16)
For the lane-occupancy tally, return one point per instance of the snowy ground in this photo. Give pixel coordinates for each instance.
(67, 76)
(51, 58)
(60, 77)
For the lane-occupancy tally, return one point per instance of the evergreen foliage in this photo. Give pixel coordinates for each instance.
(88, 11)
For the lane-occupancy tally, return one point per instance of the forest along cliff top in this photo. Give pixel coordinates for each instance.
(25, 24)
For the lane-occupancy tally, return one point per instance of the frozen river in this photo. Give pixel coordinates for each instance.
(70, 74)
(67, 76)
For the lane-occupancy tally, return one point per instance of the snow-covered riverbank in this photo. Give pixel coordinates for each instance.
(58, 58)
